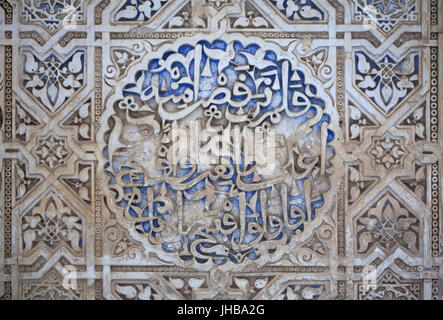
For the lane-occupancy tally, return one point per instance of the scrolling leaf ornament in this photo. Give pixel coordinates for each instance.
(228, 213)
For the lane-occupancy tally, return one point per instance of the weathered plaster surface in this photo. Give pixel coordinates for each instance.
(99, 98)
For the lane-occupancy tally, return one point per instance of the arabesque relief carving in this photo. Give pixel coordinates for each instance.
(221, 149)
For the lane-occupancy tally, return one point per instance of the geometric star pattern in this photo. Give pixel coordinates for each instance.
(228, 149)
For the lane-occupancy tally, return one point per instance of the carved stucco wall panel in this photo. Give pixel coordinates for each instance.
(103, 198)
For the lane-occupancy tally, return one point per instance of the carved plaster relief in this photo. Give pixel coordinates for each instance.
(221, 149)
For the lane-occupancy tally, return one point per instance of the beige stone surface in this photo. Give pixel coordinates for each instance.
(221, 149)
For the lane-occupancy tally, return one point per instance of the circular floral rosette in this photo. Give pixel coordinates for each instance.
(234, 209)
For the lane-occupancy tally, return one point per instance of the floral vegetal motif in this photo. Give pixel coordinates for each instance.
(317, 61)
(417, 119)
(251, 19)
(358, 121)
(52, 81)
(388, 225)
(221, 149)
(136, 292)
(218, 3)
(387, 151)
(81, 182)
(303, 292)
(124, 59)
(299, 9)
(386, 14)
(53, 13)
(51, 151)
(24, 121)
(186, 19)
(81, 120)
(386, 82)
(26, 182)
(52, 223)
(51, 288)
(390, 286)
(417, 182)
(228, 211)
(138, 10)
